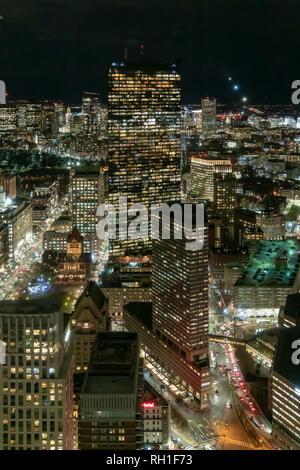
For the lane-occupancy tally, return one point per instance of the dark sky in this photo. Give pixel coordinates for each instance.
(57, 48)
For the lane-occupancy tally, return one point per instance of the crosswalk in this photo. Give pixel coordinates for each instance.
(240, 443)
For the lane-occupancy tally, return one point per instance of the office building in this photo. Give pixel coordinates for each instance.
(17, 215)
(290, 314)
(36, 392)
(285, 392)
(180, 296)
(3, 246)
(129, 281)
(202, 175)
(8, 119)
(63, 224)
(209, 121)
(55, 241)
(111, 396)
(186, 379)
(84, 201)
(272, 225)
(174, 328)
(9, 184)
(91, 113)
(143, 137)
(156, 419)
(225, 199)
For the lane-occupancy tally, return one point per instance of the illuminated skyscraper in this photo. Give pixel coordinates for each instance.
(36, 380)
(180, 296)
(91, 113)
(208, 117)
(84, 200)
(285, 391)
(144, 136)
(173, 330)
(204, 170)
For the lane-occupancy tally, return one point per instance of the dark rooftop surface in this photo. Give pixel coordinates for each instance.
(142, 311)
(113, 365)
(292, 306)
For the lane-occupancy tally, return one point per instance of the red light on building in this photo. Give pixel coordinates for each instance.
(148, 404)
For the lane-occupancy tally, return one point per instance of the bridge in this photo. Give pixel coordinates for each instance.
(225, 339)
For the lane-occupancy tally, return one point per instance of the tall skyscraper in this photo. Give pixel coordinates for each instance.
(203, 174)
(208, 117)
(144, 136)
(173, 330)
(285, 391)
(84, 200)
(225, 196)
(36, 381)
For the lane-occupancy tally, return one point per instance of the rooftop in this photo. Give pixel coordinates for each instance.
(142, 311)
(273, 263)
(113, 365)
(92, 290)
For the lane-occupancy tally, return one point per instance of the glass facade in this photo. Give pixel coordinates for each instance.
(144, 136)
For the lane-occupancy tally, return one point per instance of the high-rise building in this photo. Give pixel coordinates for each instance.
(18, 217)
(203, 171)
(84, 200)
(111, 395)
(91, 113)
(208, 117)
(174, 328)
(3, 245)
(9, 184)
(180, 296)
(8, 118)
(156, 419)
(143, 137)
(290, 314)
(225, 197)
(36, 381)
(285, 391)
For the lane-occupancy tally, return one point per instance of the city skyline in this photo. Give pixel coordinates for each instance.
(149, 249)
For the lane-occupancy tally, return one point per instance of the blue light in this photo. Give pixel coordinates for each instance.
(236, 87)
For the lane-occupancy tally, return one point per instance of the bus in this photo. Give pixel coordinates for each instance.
(257, 422)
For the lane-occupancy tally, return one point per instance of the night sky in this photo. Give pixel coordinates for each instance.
(57, 48)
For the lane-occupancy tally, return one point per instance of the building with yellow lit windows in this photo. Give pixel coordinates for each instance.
(36, 381)
(143, 137)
